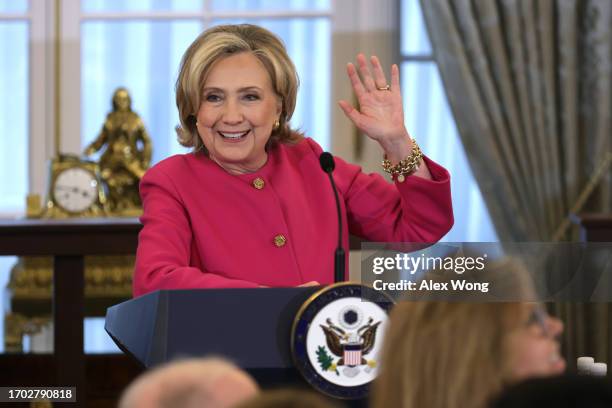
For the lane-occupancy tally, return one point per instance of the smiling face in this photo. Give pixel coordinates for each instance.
(533, 347)
(237, 113)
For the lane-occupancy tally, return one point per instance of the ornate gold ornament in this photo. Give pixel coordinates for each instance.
(84, 188)
(126, 157)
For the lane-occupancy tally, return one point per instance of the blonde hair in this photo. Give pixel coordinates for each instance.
(451, 354)
(183, 382)
(442, 354)
(220, 42)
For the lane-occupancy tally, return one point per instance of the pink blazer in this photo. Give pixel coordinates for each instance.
(206, 228)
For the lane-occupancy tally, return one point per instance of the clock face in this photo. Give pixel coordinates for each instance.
(75, 189)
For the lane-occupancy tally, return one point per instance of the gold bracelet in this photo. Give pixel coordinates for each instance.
(406, 166)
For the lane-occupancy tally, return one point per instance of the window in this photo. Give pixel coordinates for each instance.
(430, 121)
(14, 98)
(104, 44)
(14, 116)
(138, 44)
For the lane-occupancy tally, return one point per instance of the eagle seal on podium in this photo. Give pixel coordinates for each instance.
(350, 347)
(337, 336)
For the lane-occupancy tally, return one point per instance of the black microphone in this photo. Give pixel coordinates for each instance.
(328, 165)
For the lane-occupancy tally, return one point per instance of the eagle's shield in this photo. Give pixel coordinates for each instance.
(352, 354)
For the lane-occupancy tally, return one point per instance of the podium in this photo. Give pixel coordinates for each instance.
(251, 327)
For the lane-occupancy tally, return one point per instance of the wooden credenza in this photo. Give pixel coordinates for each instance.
(68, 242)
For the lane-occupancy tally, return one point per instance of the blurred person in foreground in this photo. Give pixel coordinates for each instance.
(191, 383)
(288, 398)
(250, 206)
(451, 354)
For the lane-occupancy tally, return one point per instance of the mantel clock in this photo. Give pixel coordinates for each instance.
(75, 189)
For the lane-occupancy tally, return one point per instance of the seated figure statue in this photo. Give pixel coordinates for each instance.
(127, 155)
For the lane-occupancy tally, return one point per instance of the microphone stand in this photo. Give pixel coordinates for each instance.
(327, 164)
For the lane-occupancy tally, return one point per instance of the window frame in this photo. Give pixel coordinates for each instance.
(71, 81)
(40, 96)
(55, 74)
(473, 229)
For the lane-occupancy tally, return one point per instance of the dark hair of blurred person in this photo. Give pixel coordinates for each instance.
(288, 398)
(559, 392)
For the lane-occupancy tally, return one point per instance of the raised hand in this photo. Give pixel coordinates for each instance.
(380, 114)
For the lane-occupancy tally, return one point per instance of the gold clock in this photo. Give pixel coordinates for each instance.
(75, 188)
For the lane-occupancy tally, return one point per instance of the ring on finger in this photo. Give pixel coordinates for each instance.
(384, 88)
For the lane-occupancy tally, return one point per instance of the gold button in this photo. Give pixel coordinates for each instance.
(280, 240)
(258, 183)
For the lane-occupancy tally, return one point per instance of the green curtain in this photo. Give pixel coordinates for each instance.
(529, 84)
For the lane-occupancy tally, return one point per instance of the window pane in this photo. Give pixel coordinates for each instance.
(144, 57)
(430, 122)
(141, 5)
(414, 37)
(14, 113)
(95, 338)
(269, 5)
(303, 39)
(13, 6)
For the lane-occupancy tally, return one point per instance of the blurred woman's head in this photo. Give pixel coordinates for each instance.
(459, 354)
(532, 348)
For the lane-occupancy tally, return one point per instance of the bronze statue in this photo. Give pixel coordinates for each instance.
(127, 155)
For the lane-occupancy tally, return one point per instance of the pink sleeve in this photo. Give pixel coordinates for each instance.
(165, 242)
(417, 210)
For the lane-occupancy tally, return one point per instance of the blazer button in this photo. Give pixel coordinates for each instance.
(280, 240)
(259, 183)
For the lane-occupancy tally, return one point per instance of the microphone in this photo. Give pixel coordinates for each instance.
(328, 165)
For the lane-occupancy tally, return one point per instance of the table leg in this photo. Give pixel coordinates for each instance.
(68, 313)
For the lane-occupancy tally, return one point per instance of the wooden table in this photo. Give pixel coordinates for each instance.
(68, 241)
